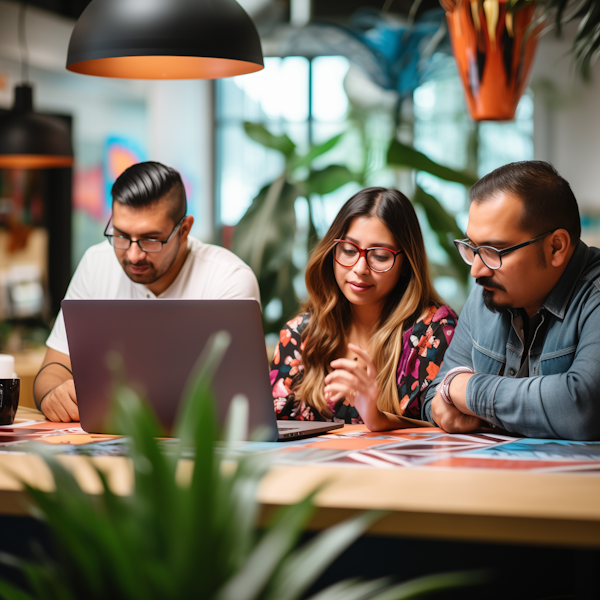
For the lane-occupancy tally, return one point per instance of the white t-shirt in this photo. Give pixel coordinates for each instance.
(209, 272)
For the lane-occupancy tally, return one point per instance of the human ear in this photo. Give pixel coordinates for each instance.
(186, 227)
(560, 242)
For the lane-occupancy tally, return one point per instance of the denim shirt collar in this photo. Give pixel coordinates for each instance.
(558, 299)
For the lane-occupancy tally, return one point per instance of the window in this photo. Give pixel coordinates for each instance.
(302, 98)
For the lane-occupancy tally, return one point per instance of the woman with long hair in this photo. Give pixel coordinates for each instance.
(373, 332)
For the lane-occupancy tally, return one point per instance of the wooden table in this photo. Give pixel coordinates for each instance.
(452, 504)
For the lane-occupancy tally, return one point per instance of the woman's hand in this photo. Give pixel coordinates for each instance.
(355, 381)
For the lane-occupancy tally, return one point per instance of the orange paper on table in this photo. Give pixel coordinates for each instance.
(76, 439)
(347, 444)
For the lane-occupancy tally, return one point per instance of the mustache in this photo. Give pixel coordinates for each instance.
(490, 283)
(137, 264)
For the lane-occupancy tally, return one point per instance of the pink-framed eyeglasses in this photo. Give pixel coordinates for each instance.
(380, 260)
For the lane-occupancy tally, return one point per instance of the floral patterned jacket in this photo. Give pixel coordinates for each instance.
(423, 348)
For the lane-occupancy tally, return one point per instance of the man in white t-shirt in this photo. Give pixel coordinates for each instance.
(148, 254)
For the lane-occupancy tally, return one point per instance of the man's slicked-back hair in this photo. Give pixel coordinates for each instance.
(149, 182)
(548, 201)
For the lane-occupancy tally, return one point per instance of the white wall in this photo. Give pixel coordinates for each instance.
(181, 134)
(567, 119)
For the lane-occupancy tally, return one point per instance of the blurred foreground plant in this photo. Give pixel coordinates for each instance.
(189, 537)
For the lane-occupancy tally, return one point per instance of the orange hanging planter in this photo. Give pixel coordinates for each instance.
(493, 54)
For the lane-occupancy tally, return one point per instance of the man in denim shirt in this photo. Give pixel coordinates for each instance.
(530, 330)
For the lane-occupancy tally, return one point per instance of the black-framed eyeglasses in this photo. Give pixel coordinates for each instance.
(122, 242)
(491, 257)
(379, 260)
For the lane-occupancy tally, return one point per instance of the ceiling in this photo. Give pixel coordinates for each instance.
(322, 9)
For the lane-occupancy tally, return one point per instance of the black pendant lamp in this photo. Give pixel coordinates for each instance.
(29, 140)
(164, 39)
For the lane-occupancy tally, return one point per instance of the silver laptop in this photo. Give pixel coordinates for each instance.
(159, 342)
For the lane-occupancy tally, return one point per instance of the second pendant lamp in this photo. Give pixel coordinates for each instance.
(29, 140)
(164, 39)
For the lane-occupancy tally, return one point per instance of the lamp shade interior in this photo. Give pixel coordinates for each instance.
(164, 67)
(34, 161)
(164, 39)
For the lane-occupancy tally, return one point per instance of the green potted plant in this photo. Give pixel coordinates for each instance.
(264, 237)
(189, 528)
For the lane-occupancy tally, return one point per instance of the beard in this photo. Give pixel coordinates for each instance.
(488, 295)
(152, 274)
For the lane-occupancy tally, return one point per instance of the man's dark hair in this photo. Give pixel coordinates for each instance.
(548, 202)
(147, 183)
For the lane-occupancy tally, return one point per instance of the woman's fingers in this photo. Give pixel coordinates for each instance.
(334, 392)
(342, 365)
(365, 356)
(346, 363)
(343, 377)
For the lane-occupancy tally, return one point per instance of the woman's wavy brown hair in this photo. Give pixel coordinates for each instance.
(325, 337)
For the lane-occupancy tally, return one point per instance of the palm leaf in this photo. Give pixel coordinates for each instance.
(264, 239)
(352, 589)
(315, 152)
(306, 564)
(401, 155)
(328, 180)
(445, 227)
(265, 234)
(250, 581)
(264, 137)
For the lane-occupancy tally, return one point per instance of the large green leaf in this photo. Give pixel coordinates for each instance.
(264, 239)
(265, 234)
(312, 559)
(328, 180)
(263, 136)
(446, 229)
(401, 155)
(316, 151)
(254, 576)
(416, 588)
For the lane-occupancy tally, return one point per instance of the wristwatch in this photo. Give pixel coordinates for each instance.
(450, 375)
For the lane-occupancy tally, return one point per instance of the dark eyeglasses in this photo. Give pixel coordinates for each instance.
(490, 257)
(146, 244)
(378, 259)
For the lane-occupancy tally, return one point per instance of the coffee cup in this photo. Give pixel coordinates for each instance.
(10, 387)
(9, 400)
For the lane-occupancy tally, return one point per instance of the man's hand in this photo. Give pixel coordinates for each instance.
(450, 419)
(60, 404)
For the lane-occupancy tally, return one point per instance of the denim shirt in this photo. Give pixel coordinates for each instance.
(561, 396)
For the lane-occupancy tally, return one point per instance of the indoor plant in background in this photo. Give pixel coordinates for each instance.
(558, 13)
(264, 237)
(190, 529)
(394, 58)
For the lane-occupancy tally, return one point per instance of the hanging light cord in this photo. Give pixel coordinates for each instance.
(23, 49)
(411, 14)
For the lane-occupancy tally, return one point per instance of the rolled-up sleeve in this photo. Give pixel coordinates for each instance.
(564, 406)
